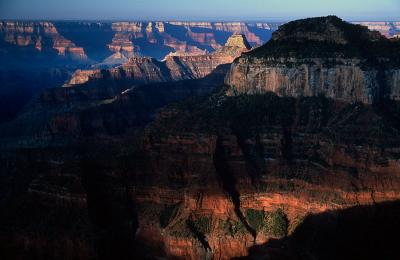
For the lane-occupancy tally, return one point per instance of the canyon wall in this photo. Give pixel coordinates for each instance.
(389, 29)
(347, 81)
(42, 36)
(175, 67)
(223, 178)
(325, 60)
(192, 37)
(35, 48)
(98, 40)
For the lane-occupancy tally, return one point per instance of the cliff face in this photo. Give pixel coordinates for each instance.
(389, 29)
(347, 82)
(166, 37)
(231, 163)
(42, 36)
(314, 57)
(138, 70)
(209, 178)
(146, 70)
(98, 40)
(35, 48)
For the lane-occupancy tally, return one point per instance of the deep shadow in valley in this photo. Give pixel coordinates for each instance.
(360, 232)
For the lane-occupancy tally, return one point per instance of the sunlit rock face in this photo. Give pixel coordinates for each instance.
(238, 40)
(174, 67)
(42, 36)
(97, 42)
(388, 29)
(321, 56)
(34, 48)
(183, 36)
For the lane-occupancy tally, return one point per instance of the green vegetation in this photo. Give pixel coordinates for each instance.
(276, 224)
(201, 224)
(297, 221)
(232, 227)
(168, 214)
(180, 229)
(255, 218)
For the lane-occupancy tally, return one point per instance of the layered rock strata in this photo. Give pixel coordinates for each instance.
(321, 56)
(146, 70)
(41, 36)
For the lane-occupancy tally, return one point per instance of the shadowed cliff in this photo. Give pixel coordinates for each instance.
(360, 232)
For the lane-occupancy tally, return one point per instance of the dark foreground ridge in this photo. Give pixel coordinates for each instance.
(360, 232)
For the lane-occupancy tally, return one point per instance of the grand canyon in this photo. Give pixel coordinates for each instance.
(200, 140)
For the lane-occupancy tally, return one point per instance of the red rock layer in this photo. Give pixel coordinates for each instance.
(174, 67)
(183, 168)
(41, 35)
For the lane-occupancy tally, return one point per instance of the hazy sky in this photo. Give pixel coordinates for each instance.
(198, 9)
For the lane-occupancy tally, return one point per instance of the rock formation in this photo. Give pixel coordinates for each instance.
(113, 60)
(321, 56)
(122, 43)
(238, 160)
(238, 40)
(41, 36)
(387, 29)
(147, 70)
(112, 169)
(183, 36)
(34, 48)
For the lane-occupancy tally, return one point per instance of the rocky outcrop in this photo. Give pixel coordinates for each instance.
(387, 29)
(321, 56)
(122, 43)
(167, 37)
(138, 70)
(227, 164)
(248, 29)
(81, 76)
(199, 66)
(207, 179)
(238, 40)
(32, 48)
(174, 67)
(347, 82)
(41, 36)
(114, 60)
(191, 51)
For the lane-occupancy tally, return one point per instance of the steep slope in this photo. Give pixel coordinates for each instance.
(230, 164)
(40, 37)
(157, 39)
(140, 70)
(321, 56)
(57, 131)
(35, 49)
(388, 29)
(33, 56)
